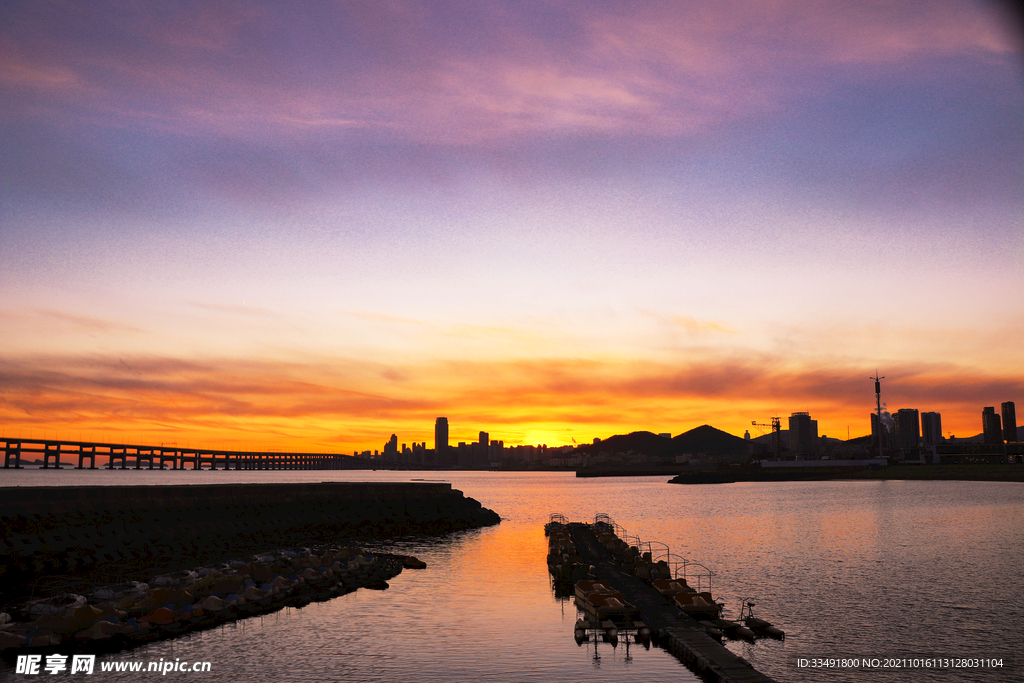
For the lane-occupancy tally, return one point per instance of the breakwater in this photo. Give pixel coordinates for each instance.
(113, 533)
(113, 617)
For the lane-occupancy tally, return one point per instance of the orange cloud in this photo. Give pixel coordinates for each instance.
(346, 405)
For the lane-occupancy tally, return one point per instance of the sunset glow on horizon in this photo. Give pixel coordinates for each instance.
(235, 226)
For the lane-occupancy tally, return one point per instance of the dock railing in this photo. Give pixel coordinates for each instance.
(620, 531)
(695, 571)
(657, 549)
(681, 567)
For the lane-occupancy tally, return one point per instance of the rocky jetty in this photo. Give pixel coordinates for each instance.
(119, 616)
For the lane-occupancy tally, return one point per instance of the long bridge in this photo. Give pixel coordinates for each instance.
(119, 456)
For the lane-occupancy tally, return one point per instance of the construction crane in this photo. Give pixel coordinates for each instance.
(776, 427)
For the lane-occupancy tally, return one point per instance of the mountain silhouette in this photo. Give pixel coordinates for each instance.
(647, 443)
(704, 439)
(707, 439)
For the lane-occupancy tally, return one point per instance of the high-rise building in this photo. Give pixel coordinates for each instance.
(931, 429)
(441, 434)
(483, 448)
(803, 434)
(991, 425)
(886, 436)
(1009, 422)
(391, 449)
(908, 428)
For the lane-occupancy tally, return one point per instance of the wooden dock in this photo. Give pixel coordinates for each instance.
(676, 632)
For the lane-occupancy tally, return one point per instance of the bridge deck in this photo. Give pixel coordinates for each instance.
(121, 456)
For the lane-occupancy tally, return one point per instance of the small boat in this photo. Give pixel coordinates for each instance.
(698, 606)
(759, 626)
(601, 602)
(734, 629)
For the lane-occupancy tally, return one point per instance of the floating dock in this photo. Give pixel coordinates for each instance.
(676, 632)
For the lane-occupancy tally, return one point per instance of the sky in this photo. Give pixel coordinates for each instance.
(263, 225)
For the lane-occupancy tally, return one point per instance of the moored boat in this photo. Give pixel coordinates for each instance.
(600, 602)
(698, 606)
(757, 625)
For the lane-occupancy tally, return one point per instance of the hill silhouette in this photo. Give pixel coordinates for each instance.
(647, 443)
(704, 439)
(707, 439)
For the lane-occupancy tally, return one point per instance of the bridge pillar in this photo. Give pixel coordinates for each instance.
(84, 453)
(118, 454)
(15, 450)
(165, 456)
(50, 452)
(184, 458)
(140, 456)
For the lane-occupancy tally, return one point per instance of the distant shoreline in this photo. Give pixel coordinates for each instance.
(972, 472)
(630, 471)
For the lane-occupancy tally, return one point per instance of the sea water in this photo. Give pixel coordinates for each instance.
(883, 572)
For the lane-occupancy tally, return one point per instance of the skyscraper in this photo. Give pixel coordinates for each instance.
(908, 428)
(931, 429)
(391, 449)
(1009, 422)
(990, 425)
(441, 435)
(483, 456)
(885, 439)
(803, 433)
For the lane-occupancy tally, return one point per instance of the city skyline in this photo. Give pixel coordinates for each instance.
(312, 229)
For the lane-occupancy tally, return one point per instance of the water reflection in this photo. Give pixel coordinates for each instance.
(866, 568)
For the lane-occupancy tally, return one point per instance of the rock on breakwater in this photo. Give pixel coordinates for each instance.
(114, 617)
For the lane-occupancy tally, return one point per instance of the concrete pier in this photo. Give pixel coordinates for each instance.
(677, 633)
(113, 532)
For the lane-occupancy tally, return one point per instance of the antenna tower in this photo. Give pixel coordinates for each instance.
(878, 408)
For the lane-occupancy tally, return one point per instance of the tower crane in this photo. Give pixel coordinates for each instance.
(776, 427)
